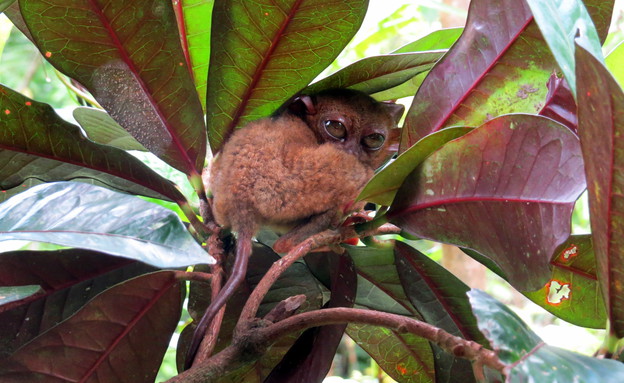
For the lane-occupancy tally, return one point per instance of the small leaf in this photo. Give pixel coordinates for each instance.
(16, 293)
(102, 129)
(573, 292)
(93, 218)
(601, 125)
(68, 280)
(123, 332)
(263, 53)
(378, 73)
(35, 143)
(129, 58)
(523, 170)
(528, 357)
(561, 21)
(382, 188)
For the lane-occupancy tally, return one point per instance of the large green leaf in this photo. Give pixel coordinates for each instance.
(194, 20)
(573, 292)
(527, 357)
(35, 143)
(561, 21)
(93, 218)
(521, 170)
(264, 52)
(128, 56)
(120, 336)
(601, 125)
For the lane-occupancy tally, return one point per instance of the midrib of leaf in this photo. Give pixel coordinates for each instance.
(265, 62)
(451, 111)
(164, 289)
(573, 270)
(380, 286)
(134, 70)
(179, 14)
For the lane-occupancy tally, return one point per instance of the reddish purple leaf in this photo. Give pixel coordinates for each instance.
(68, 278)
(601, 125)
(560, 104)
(311, 357)
(506, 190)
(120, 336)
(500, 65)
(128, 55)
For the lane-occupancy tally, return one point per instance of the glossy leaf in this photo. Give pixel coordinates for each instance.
(312, 355)
(102, 129)
(526, 354)
(296, 280)
(573, 292)
(382, 188)
(35, 143)
(194, 20)
(94, 218)
(378, 73)
(102, 341)
(441, 299)
(406, 358)
(560, 104)
(523, 170)
(68, 280)
(499, 65)
(601, 124)
(129, 58)
(16, 293)
(264, 52)
(563, 22)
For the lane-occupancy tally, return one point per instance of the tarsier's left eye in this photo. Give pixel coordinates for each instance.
(336, 129)
(373, 141)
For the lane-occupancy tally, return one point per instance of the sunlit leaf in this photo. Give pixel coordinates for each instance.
(16, 293)
(521, 170)
(526, 354)
(102, 129)
(561, 21)
(601, 124)
(614, 63)
(68, 280)
(103, 341)
(573, 292)
(440, 39)
(263, 53)
(128, 56)
(382, 188)
(94, 218)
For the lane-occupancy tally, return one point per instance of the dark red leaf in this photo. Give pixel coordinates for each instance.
(506, 190)
(560, 104)
(119, 336)
(601, 125)
(128, 56)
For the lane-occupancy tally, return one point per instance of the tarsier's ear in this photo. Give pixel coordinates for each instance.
(302, 105)
(394, 139)
(395, 110)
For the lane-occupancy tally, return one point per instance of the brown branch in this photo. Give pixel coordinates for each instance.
(251, 343)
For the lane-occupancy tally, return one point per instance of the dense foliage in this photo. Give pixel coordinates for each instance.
(513, 117)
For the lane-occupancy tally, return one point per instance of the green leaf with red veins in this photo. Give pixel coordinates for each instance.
(506, 190)
(499, 65)
(573, 292)
(263, 52)
(128, 55)
(102, 341)
(194, 20)
(601, 125)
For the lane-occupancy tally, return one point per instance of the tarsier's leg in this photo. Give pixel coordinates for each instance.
(306, 229)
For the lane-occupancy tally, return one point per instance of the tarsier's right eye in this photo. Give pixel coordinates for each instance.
(336, 129)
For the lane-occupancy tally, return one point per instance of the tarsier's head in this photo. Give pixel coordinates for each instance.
(352, 120)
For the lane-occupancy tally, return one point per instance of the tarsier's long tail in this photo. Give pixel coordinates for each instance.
(243, 251)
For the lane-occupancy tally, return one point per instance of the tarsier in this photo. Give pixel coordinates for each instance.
(298, 172)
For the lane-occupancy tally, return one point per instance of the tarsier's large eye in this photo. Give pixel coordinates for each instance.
(373, 141)
(336, 129)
